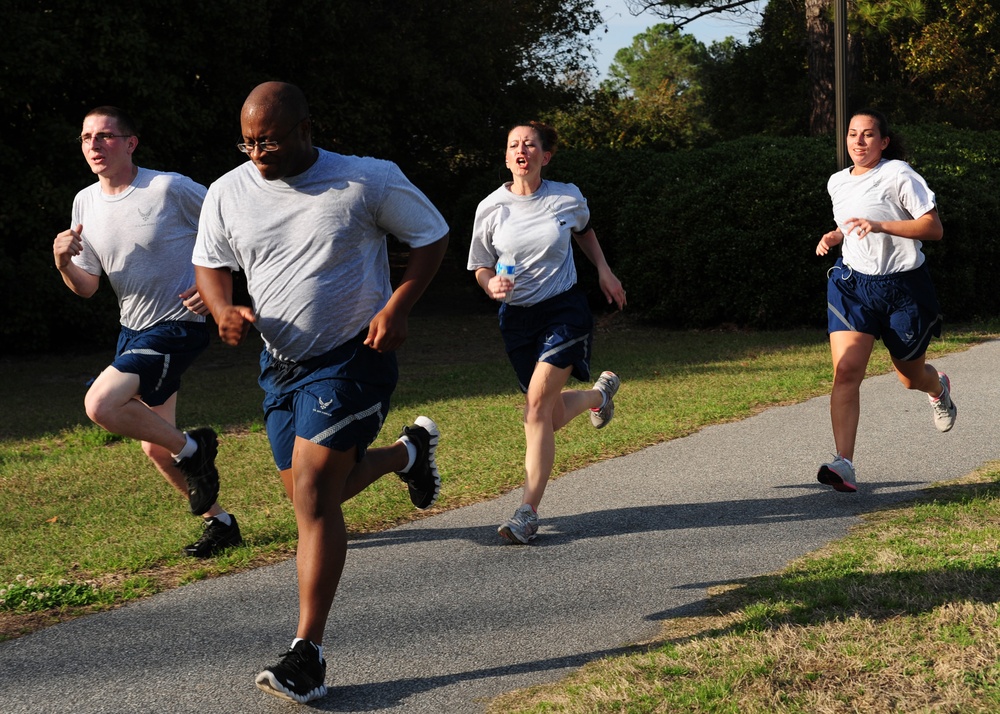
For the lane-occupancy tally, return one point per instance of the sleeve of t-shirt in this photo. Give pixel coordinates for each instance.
(580, 211)
(87, 259)
(212, 248)
(190, 195)
(406, 213)
(481, 251)
(914, 193)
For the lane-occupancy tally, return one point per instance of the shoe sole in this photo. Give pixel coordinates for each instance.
(434, 433)
(216, 549)
(266, 682)
(205, 483)
(509, 534)
(832, 478)
(596, 420)
(954, 416)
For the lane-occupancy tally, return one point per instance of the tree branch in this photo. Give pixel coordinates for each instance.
(675, 13)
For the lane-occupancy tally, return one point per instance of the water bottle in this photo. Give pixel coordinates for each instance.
(505, 268)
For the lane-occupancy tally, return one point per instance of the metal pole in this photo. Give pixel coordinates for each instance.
(840, 78)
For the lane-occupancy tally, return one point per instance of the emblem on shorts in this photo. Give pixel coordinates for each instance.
(324, 405)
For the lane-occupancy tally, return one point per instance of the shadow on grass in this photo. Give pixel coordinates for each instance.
(827, 588)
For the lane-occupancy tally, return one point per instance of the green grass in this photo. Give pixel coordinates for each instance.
(86, 523)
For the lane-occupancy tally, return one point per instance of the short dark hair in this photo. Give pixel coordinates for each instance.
(125, 123)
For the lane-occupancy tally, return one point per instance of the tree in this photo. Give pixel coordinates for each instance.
(761, 87)
(957, 56)
(879, 30)
(681, 12)
(819, 34)
(661, 54)
(430, 84)
(653, 99)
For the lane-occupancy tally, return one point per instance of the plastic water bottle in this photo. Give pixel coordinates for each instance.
(505, 268)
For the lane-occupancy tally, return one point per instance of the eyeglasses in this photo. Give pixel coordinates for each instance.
(270, 144)
(102, 138)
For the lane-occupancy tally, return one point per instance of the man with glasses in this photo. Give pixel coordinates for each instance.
(308, 227)
(138, 227)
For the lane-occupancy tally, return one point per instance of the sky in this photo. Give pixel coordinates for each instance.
(622, 27)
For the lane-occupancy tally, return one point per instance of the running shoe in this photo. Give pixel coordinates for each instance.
(199, 470)
(216, 537)
(607, 384)
(298, 677)
(944, 408)
(839, 473)
(522, 527)
(423, 479)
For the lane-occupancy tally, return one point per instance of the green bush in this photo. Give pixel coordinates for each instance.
(727, 235)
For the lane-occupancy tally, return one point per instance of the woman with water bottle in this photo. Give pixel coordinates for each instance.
(522, 256)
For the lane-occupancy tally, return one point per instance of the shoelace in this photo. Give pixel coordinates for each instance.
(297, 663)
(522, 519)
(940, 407)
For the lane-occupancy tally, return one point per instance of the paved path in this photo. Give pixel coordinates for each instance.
(437, 616)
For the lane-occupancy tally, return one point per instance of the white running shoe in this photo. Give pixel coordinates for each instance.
(839, 473)
(608, 384)
(522, 527)
(944, 408)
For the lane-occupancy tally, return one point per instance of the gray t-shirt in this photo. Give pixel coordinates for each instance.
(892, 191)
(142, 240)
(534, 233)
(313, 246)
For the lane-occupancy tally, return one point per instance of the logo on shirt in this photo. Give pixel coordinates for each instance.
(145, 214)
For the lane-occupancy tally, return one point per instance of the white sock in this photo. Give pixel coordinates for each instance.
(411, 454)
(190, 447)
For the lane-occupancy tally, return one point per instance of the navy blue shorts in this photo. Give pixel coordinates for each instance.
(558, 331)
(160, 355)
(901, 309)
(338, 400)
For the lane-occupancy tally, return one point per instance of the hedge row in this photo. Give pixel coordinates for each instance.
(727, 235)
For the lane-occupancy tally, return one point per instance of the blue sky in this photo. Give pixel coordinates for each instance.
(622, 27)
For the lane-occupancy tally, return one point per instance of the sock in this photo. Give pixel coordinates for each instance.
(411, 454)
(318, 647)
(189, 448)
(849, 462)
(224, 518)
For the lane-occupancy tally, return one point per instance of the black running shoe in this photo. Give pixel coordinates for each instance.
(216, 538)
(423, 478)
(200, 472)
(298, 677)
